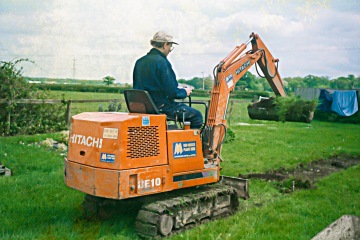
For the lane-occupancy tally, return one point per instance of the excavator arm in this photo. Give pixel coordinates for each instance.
(226, 74)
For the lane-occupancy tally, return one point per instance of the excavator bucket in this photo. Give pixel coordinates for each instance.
(264, 109)
(240, 184)
(296, 110)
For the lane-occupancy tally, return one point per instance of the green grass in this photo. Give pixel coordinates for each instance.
(300, 215)
(36, 204)
(275, 145)
(92, 106)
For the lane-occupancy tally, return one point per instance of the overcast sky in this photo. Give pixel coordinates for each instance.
(91, 39)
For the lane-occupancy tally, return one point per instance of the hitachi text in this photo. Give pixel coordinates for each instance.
(86, 140)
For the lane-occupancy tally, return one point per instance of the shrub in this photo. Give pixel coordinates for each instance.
(230, 135)
(17, 118)
(295, 108)
(114, 106)
(334, 117)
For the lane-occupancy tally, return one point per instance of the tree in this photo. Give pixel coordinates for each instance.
(342, 83)
(293, 83)
(345, 83)
(197, 82)
(246, 81)
(316, 82)
(208, 82)
(12, 83)
(108, 80)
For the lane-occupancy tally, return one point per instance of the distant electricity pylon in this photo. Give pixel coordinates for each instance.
(203, 80)
(74, 68)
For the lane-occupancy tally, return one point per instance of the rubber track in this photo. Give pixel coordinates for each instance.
(201, 205)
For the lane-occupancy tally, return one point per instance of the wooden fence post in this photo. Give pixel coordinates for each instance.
(8, 119)
(68, 113)
(230, 113)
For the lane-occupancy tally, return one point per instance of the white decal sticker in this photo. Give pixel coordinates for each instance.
(110, 133)
(149, 183)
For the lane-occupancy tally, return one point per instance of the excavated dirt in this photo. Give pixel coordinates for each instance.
(304, 176)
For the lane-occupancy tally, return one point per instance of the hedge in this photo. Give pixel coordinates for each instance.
(81, 88)
(235, 94)
(107, 89)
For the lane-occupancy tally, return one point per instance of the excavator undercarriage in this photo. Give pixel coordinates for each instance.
(173, 212)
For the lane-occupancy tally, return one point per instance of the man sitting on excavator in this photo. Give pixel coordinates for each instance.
(153, 73)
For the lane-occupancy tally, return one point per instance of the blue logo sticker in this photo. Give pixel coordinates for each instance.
(229, 81)
(146, 121)
(107, 157)
(184, 149)
(229, 78)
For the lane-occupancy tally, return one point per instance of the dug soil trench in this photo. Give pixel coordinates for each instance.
(305, 175)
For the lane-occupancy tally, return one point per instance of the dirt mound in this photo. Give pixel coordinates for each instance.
(305, 175)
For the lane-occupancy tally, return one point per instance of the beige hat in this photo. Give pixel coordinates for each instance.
(163, 37)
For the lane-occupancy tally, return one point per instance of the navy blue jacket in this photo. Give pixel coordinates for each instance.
(154, 73)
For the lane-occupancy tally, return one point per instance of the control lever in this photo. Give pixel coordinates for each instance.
(176, 115)
(183, 117)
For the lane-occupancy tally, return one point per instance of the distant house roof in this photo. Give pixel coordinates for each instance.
(182, 85)
(33, 81)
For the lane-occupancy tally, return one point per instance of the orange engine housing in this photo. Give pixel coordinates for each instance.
(123, 155)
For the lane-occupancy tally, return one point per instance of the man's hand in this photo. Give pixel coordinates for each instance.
(188, 91)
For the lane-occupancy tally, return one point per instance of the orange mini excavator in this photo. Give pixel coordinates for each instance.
(175, 170)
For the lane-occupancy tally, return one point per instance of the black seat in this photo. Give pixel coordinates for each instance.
(139, 101)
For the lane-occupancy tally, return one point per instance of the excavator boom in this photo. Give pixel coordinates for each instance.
(226, 74)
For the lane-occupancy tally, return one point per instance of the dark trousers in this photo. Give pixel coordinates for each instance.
(190, 114)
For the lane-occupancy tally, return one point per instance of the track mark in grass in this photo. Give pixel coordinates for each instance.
(304, 176)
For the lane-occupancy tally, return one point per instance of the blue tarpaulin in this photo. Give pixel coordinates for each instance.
(343, 103)
(325, 100)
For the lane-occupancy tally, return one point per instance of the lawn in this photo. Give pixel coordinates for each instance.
(92, 106)
(36, 204)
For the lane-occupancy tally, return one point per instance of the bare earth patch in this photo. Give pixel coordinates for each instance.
(305, 175)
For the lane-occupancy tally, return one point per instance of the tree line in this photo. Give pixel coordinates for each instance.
(252, 82)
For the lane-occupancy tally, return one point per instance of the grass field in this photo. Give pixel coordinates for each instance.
(36, 204)
(89, 107)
